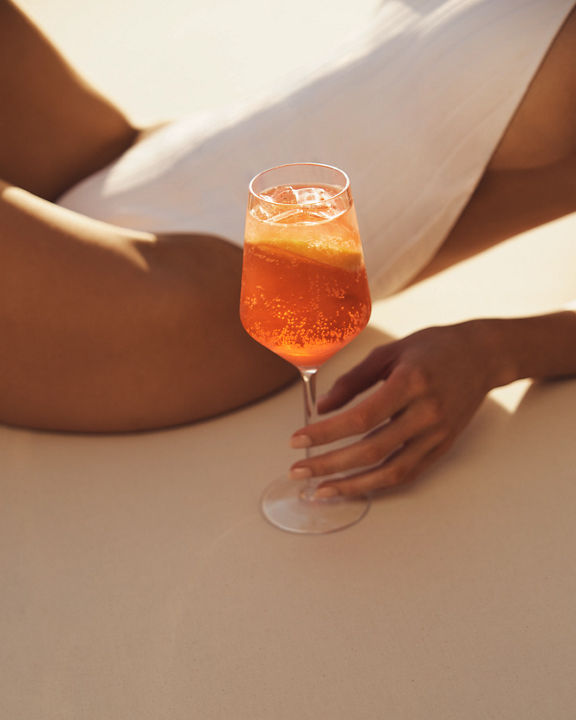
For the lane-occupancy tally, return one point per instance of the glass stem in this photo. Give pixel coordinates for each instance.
(310, 415)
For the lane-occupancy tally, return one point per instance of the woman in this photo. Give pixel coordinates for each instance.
(119, 324)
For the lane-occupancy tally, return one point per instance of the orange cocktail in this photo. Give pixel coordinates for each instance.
(304, 296)
(304, 287)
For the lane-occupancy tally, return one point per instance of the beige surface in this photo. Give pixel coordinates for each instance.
(140, 581)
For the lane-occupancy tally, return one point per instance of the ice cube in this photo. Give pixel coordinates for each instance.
(310, 195)
(262, 212)
(288, 216)
(268, 213)
(321, 213)
(284, 194)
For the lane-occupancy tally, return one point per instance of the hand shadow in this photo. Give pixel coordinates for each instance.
(509, 458)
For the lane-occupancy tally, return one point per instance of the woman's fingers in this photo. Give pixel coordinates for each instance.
(377, 445)
(373, 368)
(433, 382)
(386, 401)
(402, 467)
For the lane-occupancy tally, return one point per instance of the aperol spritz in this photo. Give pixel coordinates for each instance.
(304, 296)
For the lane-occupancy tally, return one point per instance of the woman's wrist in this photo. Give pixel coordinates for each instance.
(529, 347)
(490, 337)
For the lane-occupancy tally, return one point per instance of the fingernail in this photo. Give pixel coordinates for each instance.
(328, 491)
(301, 473)
(300, 441)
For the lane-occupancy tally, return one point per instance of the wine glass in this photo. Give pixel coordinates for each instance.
(304, 296)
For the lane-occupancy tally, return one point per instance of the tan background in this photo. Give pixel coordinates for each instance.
(138, 577)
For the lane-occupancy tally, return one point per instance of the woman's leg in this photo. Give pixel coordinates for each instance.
(54, 128)
(105, 329)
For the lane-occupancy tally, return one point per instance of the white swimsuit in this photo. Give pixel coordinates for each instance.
(412, 110)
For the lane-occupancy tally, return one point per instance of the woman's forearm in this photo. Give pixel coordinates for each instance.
(536, 347)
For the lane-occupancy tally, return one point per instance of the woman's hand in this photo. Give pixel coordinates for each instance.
(429, 385)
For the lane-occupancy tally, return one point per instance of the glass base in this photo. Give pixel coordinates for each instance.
(284, 504)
